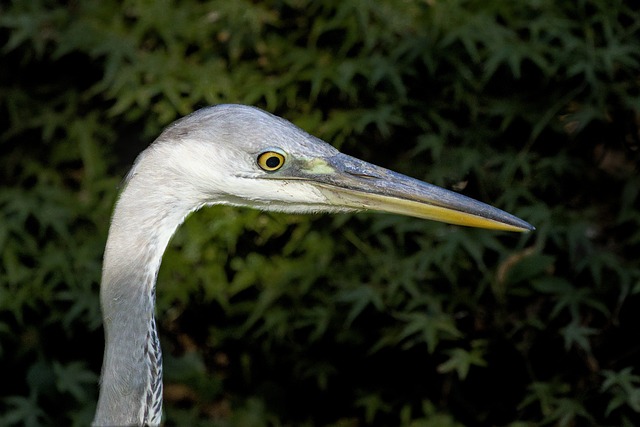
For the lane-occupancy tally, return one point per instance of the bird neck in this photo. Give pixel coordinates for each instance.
(143, 222)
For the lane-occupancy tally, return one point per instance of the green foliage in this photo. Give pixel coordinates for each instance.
(273, 320)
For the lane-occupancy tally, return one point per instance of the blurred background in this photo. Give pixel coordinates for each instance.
(350, 320)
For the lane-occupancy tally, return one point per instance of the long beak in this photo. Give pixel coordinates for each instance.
(353, 183)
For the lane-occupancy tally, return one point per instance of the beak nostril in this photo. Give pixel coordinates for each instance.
(363, 175)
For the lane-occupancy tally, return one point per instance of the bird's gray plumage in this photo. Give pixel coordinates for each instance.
(194, 162)
(210, 157)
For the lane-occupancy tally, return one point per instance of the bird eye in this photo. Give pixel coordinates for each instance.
(271, 161)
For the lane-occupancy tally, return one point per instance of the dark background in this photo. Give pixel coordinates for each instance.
(349, 320)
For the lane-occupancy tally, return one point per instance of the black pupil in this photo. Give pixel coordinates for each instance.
(273, 162)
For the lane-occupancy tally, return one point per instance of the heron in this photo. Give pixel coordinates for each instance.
(240, 156)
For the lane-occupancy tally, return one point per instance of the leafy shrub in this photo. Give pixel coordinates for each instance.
(272, 319)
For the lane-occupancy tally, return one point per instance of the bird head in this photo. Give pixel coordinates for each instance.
(243, 156)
